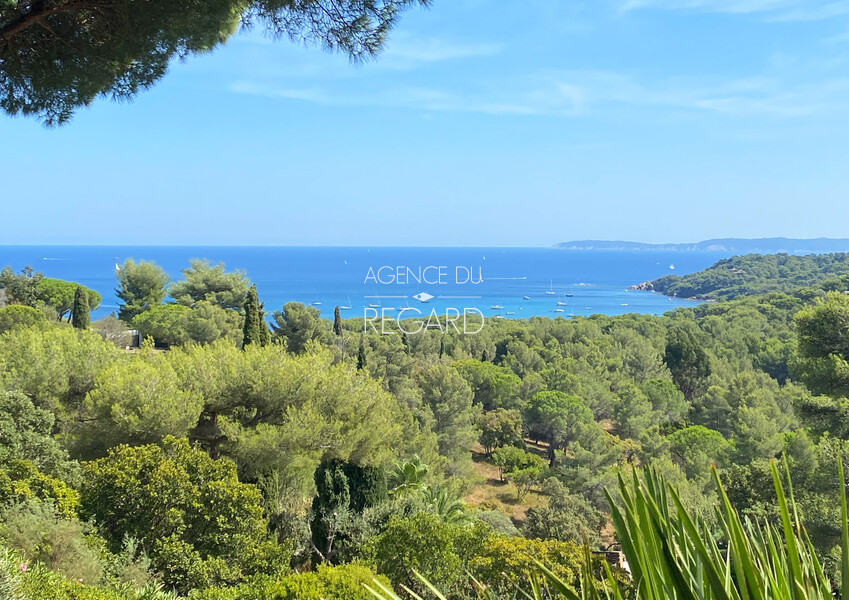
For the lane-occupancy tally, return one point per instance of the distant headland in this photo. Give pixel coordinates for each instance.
(760, 245)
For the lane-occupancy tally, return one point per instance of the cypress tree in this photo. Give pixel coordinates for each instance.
(264, 331)
(81, 315)
(331, 502)
(342, 488)
(337, 322)
(361, 356)
(252, 334)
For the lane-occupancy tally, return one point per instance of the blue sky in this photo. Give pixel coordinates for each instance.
(483, 123)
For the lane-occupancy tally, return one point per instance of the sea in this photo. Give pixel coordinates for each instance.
(514, 283)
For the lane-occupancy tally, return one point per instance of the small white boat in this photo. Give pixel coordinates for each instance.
(510, 312)
(561, 304)
(348, 306)
(496, 307)
(316, 303)
(550, 290)
(672, 267)
(526, 297)
(558, 310)
(373, 305)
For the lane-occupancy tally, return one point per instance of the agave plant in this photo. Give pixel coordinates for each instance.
(672, 555)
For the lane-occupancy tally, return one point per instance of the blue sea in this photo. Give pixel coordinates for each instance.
(511, 282)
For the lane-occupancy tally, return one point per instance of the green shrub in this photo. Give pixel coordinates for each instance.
(499, 522)
(344, 582)
(39, 534)
(504, 562)
(10, 575)
(20, 481)
(198, 523)
(20, 580)
(426, 543)
(510, 459)
(567, 518)
(20, 316)
(26, 432)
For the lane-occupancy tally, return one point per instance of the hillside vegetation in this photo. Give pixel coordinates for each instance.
(753, 274)
(229, 459)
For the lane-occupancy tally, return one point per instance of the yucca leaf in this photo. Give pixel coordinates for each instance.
(789, 536)
(712, 570)
(428, 585)
(558, 584)
(385, 593)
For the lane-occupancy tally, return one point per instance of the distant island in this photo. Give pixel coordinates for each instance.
(761, 245)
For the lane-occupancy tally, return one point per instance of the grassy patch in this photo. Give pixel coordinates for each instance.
(490, 493)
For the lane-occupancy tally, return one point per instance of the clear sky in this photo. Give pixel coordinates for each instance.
(484, 122)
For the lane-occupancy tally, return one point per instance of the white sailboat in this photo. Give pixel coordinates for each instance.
(348, 306)
(550, 290)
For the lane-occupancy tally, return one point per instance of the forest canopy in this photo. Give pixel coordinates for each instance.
(238, 454)
(754, 274)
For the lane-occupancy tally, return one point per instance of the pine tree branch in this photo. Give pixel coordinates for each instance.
(39, 12)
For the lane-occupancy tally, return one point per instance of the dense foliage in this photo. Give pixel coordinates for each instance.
(228, 454)
(671, 554)
(753, 274)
